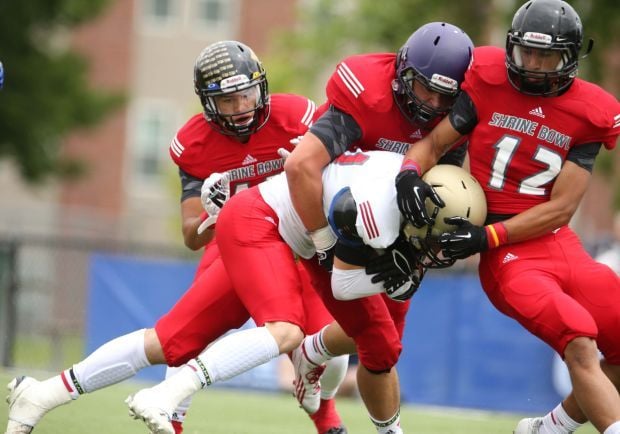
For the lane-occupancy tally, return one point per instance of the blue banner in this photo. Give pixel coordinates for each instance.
(458, 350)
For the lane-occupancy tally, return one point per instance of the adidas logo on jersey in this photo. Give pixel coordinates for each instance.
(537, 112)
(248, 160)
(509, 257)
(616, 121)
(416, 134)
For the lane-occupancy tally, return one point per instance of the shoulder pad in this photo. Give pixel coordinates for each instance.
(362, 81)
(296, 110)
(488, 65)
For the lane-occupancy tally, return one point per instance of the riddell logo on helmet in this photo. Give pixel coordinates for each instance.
(234, 81)
(445, 82)
(537, 38)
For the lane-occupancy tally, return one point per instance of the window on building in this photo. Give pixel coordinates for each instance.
(159, 12)
(160, 8)
(213, 13)
(154, 129)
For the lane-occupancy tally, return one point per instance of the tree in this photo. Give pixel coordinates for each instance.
(330, 30)
(45, 93)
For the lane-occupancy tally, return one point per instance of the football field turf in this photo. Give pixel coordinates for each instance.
(234, 411)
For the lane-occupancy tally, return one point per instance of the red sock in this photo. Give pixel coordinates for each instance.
(178, 427)
(327, 417)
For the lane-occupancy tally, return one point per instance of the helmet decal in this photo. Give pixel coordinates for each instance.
(225, 68)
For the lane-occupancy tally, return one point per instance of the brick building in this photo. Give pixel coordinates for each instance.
(146, 49)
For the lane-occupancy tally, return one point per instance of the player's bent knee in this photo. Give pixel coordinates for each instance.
(581, 353)
(383, 371)
(380, 359)
(153, 348)
(378, 348)
(287, 335)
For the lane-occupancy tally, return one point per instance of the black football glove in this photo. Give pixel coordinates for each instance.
(399, 270)
(411, 194)
(467, 240)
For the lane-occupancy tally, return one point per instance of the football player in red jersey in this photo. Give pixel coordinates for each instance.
(535, 131)
(238, 135)
(382, 101)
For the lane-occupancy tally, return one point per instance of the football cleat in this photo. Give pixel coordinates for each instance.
(152, 410)
(327, 420)
(530, 425)
(307, 381)
(178, 427)
(26, 404)
(337, 430)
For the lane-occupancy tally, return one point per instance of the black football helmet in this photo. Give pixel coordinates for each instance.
(437, 56)
(546, 25)
(226, 67)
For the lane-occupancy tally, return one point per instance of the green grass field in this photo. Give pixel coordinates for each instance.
(227, 411)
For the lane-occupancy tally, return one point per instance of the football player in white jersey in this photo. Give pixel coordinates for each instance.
(258, 232)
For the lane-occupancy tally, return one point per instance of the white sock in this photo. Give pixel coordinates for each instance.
(56, 392)
(235, 354)
(315, 349)
(557, 421)
(115, 361)
(334, 373)
(178, 387)
(390, 426)
(181, 411)
(226, 358)
(614, 428)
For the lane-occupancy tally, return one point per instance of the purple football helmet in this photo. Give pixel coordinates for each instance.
(436, 56)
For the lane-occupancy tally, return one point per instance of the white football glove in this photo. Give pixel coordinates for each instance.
(284, 153)
(214, 193)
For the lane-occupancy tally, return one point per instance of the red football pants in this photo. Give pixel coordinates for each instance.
(554, 289)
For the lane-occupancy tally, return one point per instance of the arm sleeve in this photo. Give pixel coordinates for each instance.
(354, 255)
(337, 130)
(584, 155)
(190, 185)
(456, 155)
(463, 115)
(353, 284)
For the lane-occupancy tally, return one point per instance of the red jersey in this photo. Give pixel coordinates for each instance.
(362, 88)
(520, 141)
(200, 150)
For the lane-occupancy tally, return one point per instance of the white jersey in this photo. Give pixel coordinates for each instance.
(370, 177)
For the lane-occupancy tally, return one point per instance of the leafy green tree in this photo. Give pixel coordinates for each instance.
(45, 93)
(330, 30)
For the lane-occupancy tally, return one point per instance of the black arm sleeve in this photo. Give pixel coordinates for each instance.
(455, 156)
(190, 185)
(584, 155)
(463, 115)
(337, 130)
(354, 255)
